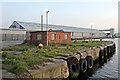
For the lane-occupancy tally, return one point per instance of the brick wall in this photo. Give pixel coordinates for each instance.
(59, 37)
(34, 35)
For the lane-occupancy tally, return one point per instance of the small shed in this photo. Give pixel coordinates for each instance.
(54, 36)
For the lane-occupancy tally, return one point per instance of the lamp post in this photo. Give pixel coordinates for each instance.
(91, 36)
(47, 25)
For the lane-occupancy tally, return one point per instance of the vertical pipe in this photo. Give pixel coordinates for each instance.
(41, 22)
(47, 25)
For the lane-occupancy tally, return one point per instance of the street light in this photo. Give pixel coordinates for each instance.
(47, 11)
(91, 30)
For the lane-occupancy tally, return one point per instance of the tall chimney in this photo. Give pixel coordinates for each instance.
(41, 22)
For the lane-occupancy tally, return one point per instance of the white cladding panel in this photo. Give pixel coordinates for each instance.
(87, 35)
(77, 35)
(9, 31)
(9, 35)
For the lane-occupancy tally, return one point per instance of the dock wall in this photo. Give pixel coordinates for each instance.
(73, 64)
(80, 62)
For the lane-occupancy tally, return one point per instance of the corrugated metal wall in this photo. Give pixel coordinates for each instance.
(12, 35)
(87, 35)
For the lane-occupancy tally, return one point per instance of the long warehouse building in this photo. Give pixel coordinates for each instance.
(18, 30)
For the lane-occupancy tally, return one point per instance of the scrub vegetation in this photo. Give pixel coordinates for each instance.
(31, 57)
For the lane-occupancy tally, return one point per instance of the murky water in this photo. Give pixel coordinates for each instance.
(110, 69)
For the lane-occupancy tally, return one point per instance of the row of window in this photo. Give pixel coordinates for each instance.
(53, 36)
(8, 37)
(78, 34)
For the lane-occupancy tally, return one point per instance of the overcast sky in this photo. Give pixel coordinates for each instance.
(102, 15)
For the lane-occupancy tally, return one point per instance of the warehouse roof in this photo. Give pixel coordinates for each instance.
(12, 29)
(37, 26)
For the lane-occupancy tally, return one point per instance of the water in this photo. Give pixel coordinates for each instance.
(109, 70)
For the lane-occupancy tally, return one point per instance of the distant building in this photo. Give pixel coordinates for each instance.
(117, 35)
(12, 34)
(18, 31)
(54, 36)
(75, 31)
(109, 32)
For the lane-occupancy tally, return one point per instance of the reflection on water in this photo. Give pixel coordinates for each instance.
(106, 71)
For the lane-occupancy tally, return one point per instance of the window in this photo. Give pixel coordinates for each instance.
(53, 35)
(17, 36)
(82, 33)
(39, 37)
(72, 33)
(66, 36)
(59, 37)
(14, 26)
(14, 36)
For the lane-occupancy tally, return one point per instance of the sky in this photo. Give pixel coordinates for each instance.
(101, 14)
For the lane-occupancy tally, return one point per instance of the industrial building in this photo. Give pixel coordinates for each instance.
(75, 31)
(109, 32)
(12, 34)
(17, 31)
